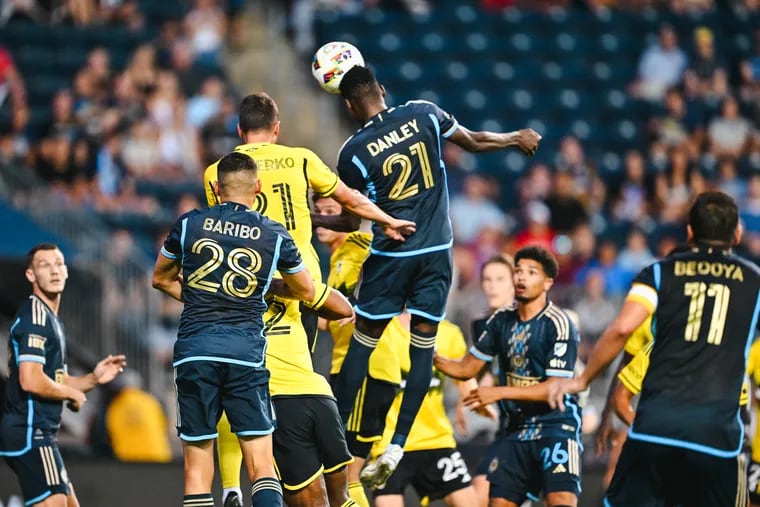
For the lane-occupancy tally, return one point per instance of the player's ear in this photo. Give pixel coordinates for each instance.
(276, 129)
(240, 131)
(215, 186)
(689, 234)
(349, 106)
(382, 91)
(30, 275)
(548, 284)
(258, 186)
(738, 233)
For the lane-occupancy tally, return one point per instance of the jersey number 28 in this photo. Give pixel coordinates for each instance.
(197, 279)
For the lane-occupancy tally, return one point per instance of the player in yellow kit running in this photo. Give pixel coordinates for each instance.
(367, 420)
(432, 464)
(286, 175)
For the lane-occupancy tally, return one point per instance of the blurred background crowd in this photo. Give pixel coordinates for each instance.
(111, 109)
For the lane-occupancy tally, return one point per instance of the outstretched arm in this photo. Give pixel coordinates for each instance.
(484, 396)
(345, 222)
(461, 369)
(358, 204)
(526, 139)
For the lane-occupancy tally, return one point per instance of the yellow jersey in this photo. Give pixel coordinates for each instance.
(138, 427)
(431, 428)
(640, 338)
(345, 266)
(632, 376)
(286, 174)
(288, 358)
(753, 370)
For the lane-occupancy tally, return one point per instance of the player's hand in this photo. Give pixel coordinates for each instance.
(399, 229)
(76, 400)
(558, 390)
(347, 321)
(107, 369)
(481, 397)
(604, 433)
(527, 141)
(489, 412)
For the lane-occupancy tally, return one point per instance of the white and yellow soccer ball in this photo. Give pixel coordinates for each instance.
(332, 61)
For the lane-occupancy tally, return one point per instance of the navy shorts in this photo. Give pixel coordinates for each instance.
(40, 470)
(520, 469)
(420, 283)
(434, 474)
(652, 475)
(310, 440)
(206, 388)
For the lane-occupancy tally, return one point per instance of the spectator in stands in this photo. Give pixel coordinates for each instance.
(706, 69)
(672, 188)
(750, 205)
(142, 68)
(81, 12)
(536, 185)
(219, 136)
(99, 67)
(63, 121)
(572, 159)
(207, 103)
(123, 12)
(141, 153)
(676, 128)
(537, 231)
(11, 83)
(631, 201)
(616, 280)
(205, 26)
(661, 66)
(729, 180)
(566, 210)
(636, 254)
(729, 134)
(472, 211)
(163, 99)
(179, 146)
(595, 309)
(110, 172)
(749, 85)
(14, 145)
(54, 162)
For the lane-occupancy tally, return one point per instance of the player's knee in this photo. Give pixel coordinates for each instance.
(373, 328)
(561, 499)
(423, 326)
(58, 500)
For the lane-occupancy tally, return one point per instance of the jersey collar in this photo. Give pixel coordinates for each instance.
(235, 205)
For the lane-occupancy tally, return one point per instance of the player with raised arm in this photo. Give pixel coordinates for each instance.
(220, 263)
(753, 472)
(396, 159)
(685, 444)
(536, 345)
(367, 420)
(39, 383)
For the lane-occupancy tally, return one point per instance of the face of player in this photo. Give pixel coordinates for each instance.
(48, 272)
(497, 285)
(530, 281)
(329, 207)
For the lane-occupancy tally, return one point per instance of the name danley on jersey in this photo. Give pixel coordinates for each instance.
(393, 138)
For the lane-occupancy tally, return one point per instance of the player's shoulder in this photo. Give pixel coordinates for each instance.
(558, 319)
(31, 312)
(358, 239)
(502, 316)
(750, 266)
(419, 105)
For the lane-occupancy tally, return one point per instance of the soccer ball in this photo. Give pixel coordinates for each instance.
(332, 61)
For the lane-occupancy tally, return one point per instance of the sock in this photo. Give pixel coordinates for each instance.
(230, 457)
(417, 385)
(202, 500)
(356, 492)
(266, 492)
(227, 491)
(353, 371)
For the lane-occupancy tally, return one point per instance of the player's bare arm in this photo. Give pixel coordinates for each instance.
(462, 369)
(612, 341)
(166, 277)
(484, 396)
(526, 140)
(34, 381)
(466, 388)
(605, 429)
(358, 204)
(105, 371)
(300, 284)
(335, 306)
(344, 222)
(621, 402)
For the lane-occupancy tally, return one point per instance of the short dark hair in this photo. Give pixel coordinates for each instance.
(258, 111)
(540, 255)
(235, 162)
(504, 260)
(36, 248)
(713, 218)
(359, 83)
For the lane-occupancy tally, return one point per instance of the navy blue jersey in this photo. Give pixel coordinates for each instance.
(396, 159)
(229, 255)
(529, 353)
(705, 305)
(37, 336)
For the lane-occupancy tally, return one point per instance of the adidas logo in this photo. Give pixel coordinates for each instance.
(560, 469)
(38, 433)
